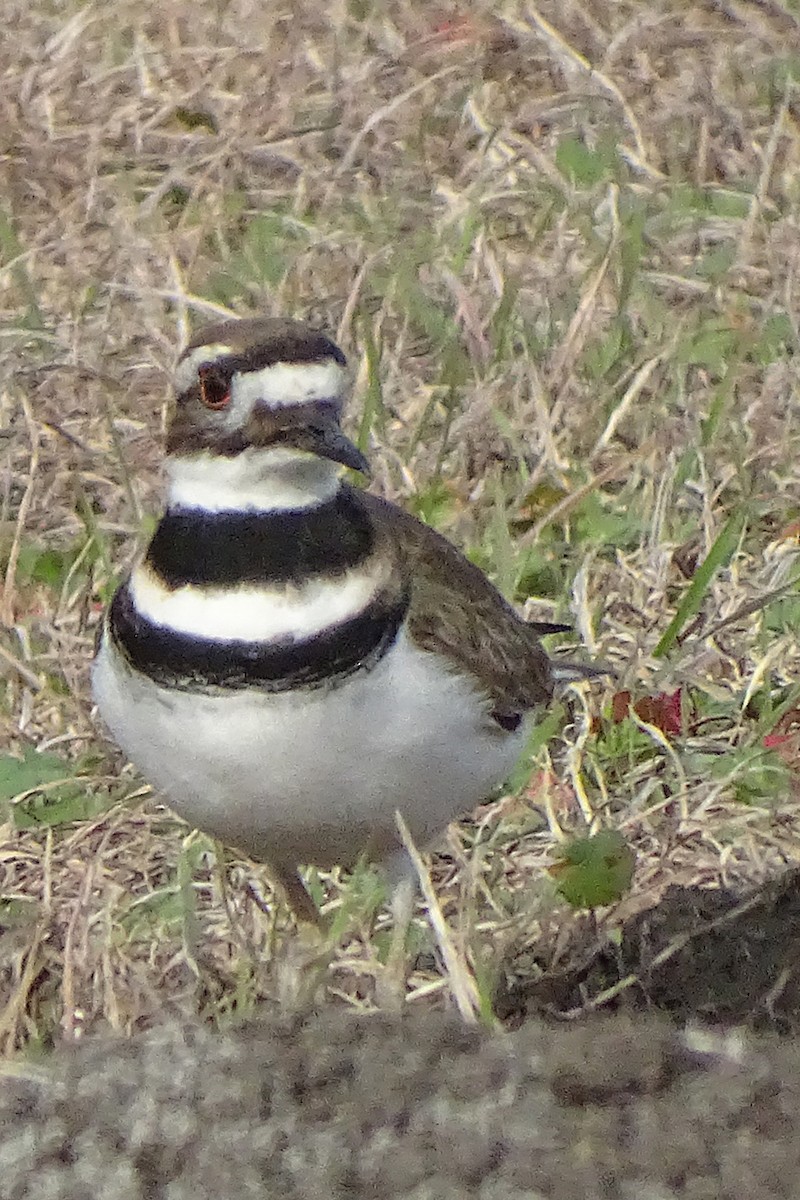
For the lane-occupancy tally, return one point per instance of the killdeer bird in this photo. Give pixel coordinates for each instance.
(294, 659)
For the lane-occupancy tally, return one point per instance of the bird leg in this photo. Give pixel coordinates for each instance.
(303, 908)
(390, 987)
(302, 963)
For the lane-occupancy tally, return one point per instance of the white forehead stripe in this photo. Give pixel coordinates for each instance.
(186, 370)
(284, 384)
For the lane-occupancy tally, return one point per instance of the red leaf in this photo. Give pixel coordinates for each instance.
(771, 741)
(785, 739)
(664, 710)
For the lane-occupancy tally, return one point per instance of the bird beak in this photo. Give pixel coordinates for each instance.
(313, 428)
(327, 440)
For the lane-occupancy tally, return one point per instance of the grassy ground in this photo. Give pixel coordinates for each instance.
(560, 246)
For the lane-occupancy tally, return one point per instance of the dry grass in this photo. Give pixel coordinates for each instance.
(561, 247)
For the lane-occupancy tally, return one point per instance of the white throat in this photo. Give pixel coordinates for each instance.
(256, 479)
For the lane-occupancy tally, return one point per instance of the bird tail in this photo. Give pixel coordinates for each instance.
(566, 671)
(545, 627)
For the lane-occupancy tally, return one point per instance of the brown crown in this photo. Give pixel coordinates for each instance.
(258, 342)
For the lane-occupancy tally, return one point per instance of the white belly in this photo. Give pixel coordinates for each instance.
(315, 777)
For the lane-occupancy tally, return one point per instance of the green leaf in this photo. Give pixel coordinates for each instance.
(160, 911)
(46, 566)
(581, 165)
(56, 796)
(776, 335)
(720, 202)
(715, 264)
(712, 346)
(595, 871)
(18, 775)
(782, 615)
(58, 806)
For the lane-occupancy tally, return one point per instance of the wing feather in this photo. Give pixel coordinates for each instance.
(454, 610)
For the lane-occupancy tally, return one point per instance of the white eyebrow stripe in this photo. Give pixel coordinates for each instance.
(280, 384)
(186, 372)
(283, 385)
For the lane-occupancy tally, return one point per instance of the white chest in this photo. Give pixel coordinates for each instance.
(315, 776)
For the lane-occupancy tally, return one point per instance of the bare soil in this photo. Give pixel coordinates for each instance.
(336, 1106)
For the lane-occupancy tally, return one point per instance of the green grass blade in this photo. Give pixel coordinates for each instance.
(12, 255)
(718, 555)
(374, 414)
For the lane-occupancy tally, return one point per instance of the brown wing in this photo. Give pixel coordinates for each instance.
(454, 610)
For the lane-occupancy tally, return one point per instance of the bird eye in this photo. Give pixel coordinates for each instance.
(215, 387)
